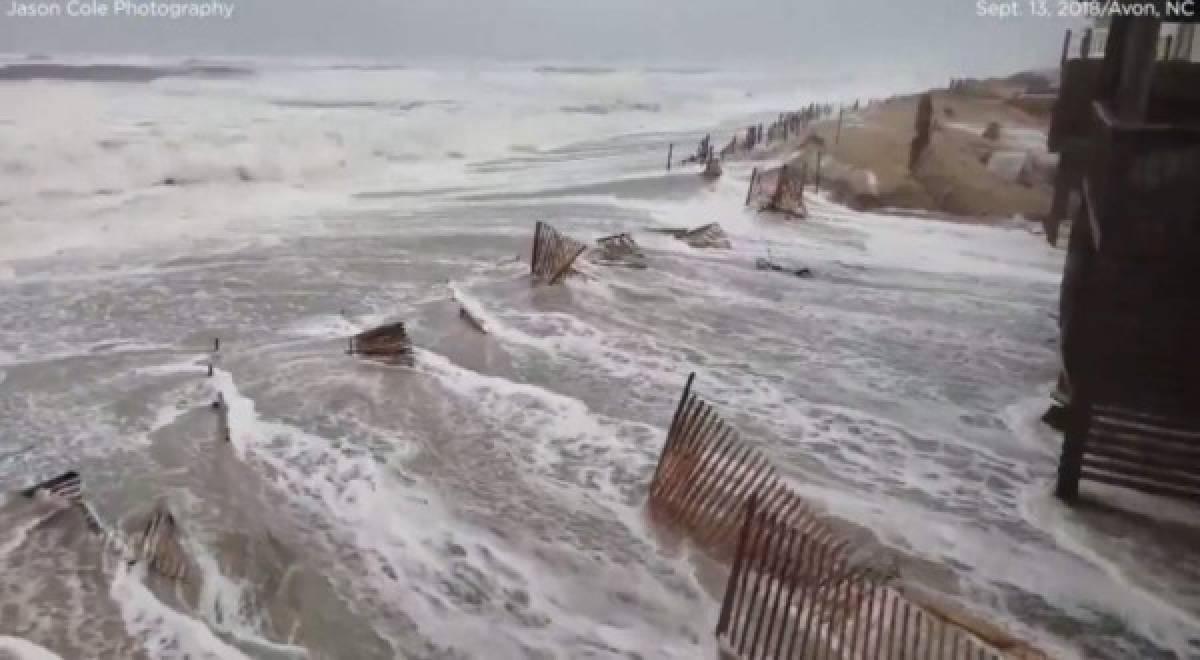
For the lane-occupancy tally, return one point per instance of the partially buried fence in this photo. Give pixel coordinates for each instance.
(780, 190)
(796, 588)
(388, 342)
(786, 599)
(553, 253)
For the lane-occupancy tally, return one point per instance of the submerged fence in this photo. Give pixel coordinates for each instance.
(780, 190)
(388, 342)
(553, 253)
(706, 475)
(785, 598)
(795, 589)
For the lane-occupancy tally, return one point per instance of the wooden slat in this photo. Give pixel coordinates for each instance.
(1145, 487)
(1168, 477)
(1144, 455)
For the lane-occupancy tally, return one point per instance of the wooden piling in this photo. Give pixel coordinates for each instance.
(750, 188)
(670, 152)
(837, 137)
(1085, 45)
(1066, 47)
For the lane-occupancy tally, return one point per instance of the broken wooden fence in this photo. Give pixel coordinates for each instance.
(620, 249)
(786, 599)
(706, 475)
(795, 590)
(780, 190)
(388, 342)
(553, 253)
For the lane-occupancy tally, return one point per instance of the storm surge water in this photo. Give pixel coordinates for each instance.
(488, 502)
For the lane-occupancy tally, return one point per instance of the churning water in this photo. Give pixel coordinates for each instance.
(488, 502)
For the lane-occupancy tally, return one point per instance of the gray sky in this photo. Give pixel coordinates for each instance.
(928, 35)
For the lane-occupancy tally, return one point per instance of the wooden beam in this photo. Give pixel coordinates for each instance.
(1137, 69)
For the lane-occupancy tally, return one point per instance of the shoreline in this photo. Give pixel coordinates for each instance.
(962, 176)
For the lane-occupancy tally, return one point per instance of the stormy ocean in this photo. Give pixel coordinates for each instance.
(488, 502)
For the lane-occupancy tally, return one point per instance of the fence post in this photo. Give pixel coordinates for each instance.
(750, 188)
(817, 181)
(838, 136)
(1070, 464)
(1085, 44)
(1066, 47)
(670, 152)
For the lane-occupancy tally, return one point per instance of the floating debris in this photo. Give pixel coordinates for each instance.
(388, 342)
(68, 486)
(467, 316)
(619, 250)
(158, 545)
(766, 264)
(553, 253)
(705, 236)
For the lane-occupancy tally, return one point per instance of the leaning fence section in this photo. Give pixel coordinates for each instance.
(795, 588)
(785, 599)
(553, 253)
(706, 475)
(779, 190)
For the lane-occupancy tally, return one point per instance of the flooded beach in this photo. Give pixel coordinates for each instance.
(487, 502)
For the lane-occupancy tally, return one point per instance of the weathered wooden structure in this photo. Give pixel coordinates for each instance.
(795, 589)
(389, 343)
(704, 236)
(787, 598)
(1173, 93)
(712, 168)
(619, 250)
(780, 190)
(1130, 301)
(553, 254)
(706, 475)
(67, 485)
(158, 545)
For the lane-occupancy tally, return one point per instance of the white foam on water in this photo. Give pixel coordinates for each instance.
(326, 326)
(23, 649)
(1167, 623)
(163, 632)
(224, 605)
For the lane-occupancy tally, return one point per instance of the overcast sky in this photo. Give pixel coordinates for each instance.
(929, 35)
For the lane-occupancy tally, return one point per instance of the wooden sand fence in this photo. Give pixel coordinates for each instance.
(620, 249)
(795, 589)
(553, 253)
(787, 598)
(387, 342)
(780, 190)
(706, 475)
